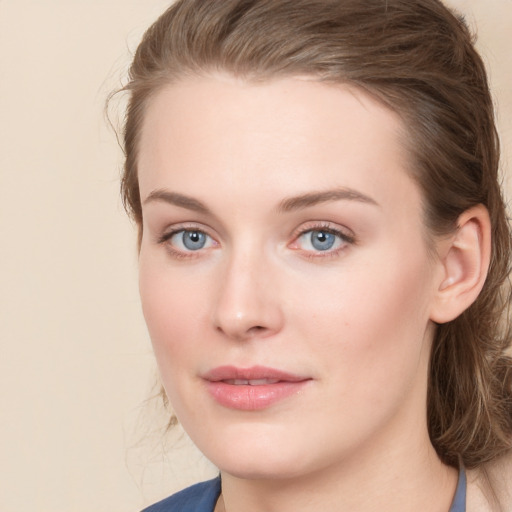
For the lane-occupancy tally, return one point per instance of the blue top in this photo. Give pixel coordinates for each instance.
(459, 501)
(200, 497)
(203, 497)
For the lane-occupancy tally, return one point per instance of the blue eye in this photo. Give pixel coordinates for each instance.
(322, 240)
(193, 240)
(190, 240)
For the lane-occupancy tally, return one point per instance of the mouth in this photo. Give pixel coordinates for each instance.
(252, 389)
(251, 382)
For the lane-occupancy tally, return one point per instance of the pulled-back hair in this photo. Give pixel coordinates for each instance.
(418, 58)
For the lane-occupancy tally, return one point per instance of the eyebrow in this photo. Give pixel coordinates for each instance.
(314, 198)
(177, 200)
(286, 205)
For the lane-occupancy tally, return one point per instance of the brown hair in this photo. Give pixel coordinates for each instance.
(418, 58)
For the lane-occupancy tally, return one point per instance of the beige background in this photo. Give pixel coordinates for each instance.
(76, 364)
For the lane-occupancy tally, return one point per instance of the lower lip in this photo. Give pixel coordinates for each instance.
(253, 398)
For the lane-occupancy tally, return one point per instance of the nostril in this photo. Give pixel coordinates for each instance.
(257, 328)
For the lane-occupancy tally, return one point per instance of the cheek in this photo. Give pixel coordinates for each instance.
(173, 308)
(370, 322)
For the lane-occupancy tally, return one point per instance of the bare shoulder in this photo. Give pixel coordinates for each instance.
(490, 487)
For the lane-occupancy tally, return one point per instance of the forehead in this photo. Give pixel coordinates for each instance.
(292, 134)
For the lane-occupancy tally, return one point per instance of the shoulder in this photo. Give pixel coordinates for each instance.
(490, 487)
(197, 498)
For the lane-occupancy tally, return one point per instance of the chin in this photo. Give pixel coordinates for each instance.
(262, 468)
(250, 453)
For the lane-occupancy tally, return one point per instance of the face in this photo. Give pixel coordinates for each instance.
(284, 273)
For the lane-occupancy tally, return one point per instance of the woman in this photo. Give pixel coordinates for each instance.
(324, 253)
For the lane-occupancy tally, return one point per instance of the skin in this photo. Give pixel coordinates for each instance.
(357, 320)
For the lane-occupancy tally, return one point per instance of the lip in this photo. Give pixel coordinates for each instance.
(252, 389)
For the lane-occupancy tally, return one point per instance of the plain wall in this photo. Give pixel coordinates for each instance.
(76, 362)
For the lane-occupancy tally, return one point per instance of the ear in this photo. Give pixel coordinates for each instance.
(464, 261)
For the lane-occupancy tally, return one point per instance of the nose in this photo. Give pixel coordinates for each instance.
(247, 305)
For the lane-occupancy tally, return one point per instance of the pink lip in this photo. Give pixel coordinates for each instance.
(224, 386)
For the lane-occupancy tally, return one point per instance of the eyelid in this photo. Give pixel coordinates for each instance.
(169, 231)
(328, 226)
(166, 236)
(346, 235)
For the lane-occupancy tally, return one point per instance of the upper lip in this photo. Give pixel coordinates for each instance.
(231, 373)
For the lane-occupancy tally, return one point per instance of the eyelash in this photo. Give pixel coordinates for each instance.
(345, 238)
(179, 254)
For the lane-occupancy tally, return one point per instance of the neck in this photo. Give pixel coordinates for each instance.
(389, 481)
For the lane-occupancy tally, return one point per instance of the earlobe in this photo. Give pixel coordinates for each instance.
(464, 264)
